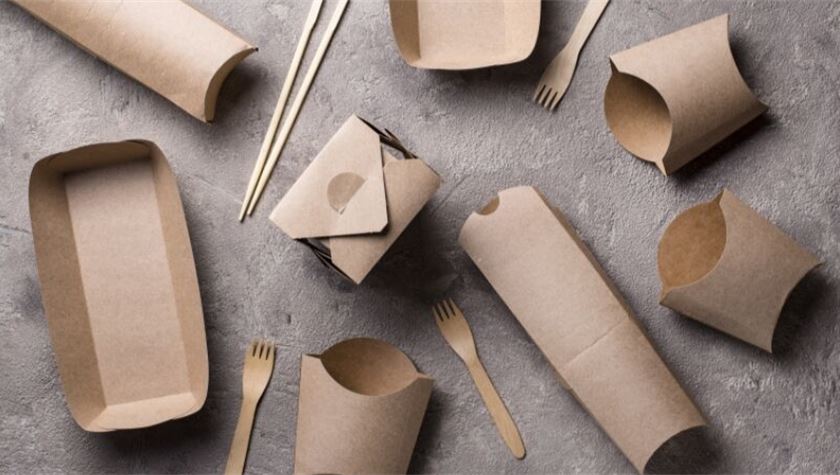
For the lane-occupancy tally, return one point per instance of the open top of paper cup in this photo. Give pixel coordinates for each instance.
(466, 34)
(369, 367)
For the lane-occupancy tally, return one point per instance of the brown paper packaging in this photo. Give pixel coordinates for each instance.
(724, 265)
(673, 98)
(442, 34)
(119, 285)
(168, 46)
(355, 199)
(360, 408)
(560, 294)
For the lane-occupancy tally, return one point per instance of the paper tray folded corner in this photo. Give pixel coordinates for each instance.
(723, 264)
(553, 285)
(360, 408)
(119, 285)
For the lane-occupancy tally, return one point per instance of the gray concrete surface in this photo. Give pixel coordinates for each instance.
(766, 413)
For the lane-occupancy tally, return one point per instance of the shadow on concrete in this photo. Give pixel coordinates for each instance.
(691, 451)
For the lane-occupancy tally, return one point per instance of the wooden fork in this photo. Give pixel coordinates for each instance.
(558, 75)
(456, 332)
(259, 364)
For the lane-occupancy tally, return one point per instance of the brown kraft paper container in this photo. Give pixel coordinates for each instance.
(355, 199)
(119, 285)
(442, 34)
(169, 46)
(360, 408)
(724, 265)
(560, 294)
(673, 98)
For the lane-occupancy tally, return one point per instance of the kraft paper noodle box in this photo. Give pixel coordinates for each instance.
(355, 198)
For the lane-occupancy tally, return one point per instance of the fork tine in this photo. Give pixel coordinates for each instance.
(556, 102)
(540, 88)
(438, 317)
(251, 349)
(550, 99)
(546, 92)
(453, 309)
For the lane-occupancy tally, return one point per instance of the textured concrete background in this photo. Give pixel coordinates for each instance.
(767, 413)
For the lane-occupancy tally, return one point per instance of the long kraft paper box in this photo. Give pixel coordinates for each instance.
(560, 294)
(168, 45)
(119, 285)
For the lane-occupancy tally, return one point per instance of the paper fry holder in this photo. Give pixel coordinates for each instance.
(360, 408)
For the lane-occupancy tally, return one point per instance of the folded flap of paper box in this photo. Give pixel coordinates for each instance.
(723, 264)
(342, 192)
(167, 45)
(673, 98)
(361, 405)
(119, 285)
(409, 185)
(560, 294)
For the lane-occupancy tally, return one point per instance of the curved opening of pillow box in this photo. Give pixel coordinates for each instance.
(442, 34)
(215, 85)
(692, 245)
(369, 367)
(639, 117)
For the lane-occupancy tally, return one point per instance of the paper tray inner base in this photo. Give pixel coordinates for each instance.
(442, 33)
(127, 284)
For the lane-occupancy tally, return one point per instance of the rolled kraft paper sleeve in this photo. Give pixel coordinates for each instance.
(169, 46)
(564, 300)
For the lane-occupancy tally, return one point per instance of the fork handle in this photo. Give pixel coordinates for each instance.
(241, 438)
(501, 417)
(588, 19)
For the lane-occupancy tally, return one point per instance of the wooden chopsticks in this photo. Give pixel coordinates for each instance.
(270, 150)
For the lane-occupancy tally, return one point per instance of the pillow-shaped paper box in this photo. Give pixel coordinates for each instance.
(724, 265)
(673, 98)
(119, 285)
(355, 198)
